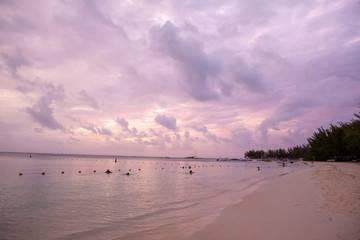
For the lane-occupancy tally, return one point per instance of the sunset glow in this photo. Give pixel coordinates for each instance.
(163, 78)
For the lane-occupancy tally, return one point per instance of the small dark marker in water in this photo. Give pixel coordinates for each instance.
(79, 171)
(43, 173)
(20, 174)
(62, 172)
(127, 173)
(94, 170)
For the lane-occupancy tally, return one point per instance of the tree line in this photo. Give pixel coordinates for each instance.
(339, 142)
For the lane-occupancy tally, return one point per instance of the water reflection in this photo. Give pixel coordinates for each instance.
(92, 205)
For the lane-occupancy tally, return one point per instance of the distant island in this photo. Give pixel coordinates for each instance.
(338, 143)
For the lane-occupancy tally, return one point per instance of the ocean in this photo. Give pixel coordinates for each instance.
(158, 199)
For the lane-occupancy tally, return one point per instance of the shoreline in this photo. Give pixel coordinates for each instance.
(320, 202)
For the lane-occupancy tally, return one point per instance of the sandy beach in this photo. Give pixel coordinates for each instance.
(322, 202)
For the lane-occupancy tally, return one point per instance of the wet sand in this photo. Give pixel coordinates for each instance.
(322, 202)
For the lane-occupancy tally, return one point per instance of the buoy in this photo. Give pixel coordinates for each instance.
(139, 169)
(62, 172)
(115, 160)
(258, 168)
(94, 170)
(119, 170)
(130, 170)
(30, 156)
(108, 171)
(191, 172)
(127, 173)
(79, 171)
(43, 173)
(20, 174)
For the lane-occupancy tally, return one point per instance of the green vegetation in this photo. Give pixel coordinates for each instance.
(291, 153)
(341, 143)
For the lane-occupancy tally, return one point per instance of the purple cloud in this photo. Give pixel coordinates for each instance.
(124, 124)
(236, 74)
(165, 121)
(15, 61)
(250, 78)
(84, 96)
(43, 113)
(200, 69)
(98, 129)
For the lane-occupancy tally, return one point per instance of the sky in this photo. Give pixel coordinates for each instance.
(168, 78)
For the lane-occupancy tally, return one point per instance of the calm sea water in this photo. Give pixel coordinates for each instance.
(158, 200)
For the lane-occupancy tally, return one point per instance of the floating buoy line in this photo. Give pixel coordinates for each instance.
(184, 166)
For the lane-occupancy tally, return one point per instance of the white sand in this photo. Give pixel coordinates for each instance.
(312, 204)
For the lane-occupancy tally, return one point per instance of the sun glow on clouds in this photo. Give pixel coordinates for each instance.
(163, 78)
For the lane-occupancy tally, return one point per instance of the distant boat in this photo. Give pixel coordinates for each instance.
(192, 157)
(233, 159)
(240, 159)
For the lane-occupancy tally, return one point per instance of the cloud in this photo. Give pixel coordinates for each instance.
(238, 69)
(209, 135)
(242, 138)
(98, 129)
(200, 70)
(165, 121)
(15, 61)
(249, 77)
(43, 113)
(125, 127)
(342, 63)
(124, 124)
(200, 128)
(290, 107)
(84, 96)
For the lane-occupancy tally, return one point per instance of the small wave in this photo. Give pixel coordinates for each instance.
(160, 211)
(283, 174)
